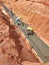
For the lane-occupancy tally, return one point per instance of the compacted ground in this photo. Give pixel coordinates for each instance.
(33, 12)
(13, 50)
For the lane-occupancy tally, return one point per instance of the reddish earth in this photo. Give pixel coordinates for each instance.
(33, 12)
(13, 50)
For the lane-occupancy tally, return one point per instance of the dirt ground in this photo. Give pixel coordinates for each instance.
(33, 12)
(13, 50)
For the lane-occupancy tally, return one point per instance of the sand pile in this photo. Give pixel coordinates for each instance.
(33, 12)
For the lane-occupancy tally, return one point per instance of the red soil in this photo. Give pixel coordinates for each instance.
(16, 52)
(35, 13)
(13, 50)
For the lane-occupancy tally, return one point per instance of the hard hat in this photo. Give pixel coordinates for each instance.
(29, 28)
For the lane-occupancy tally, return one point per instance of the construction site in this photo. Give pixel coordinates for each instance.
(24, 32)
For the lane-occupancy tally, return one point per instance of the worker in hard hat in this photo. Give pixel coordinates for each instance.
(30, 31)
(29, 28)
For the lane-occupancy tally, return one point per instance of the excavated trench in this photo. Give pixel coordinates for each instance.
(13, 49)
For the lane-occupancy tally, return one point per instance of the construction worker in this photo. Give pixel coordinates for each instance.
(20, 22)
(30, 31)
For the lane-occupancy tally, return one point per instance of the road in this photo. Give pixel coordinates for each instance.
(38, 45)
